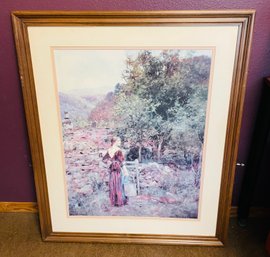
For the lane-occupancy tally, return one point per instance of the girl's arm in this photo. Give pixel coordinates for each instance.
(120, 156)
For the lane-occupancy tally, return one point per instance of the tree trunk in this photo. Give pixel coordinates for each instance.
(140, 153)
(159, 149)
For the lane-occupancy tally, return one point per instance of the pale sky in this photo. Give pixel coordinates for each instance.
(96, 71)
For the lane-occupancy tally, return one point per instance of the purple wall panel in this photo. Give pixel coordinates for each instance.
(16, 177)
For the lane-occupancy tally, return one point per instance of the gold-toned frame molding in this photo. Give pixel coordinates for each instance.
(244, 19)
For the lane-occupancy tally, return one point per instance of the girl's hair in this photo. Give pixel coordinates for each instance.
(114, 139)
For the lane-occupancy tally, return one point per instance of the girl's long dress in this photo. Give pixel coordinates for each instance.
(116, 187)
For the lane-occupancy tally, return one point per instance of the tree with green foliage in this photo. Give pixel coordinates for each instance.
(163, 99)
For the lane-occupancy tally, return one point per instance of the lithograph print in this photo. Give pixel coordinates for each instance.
(133, 125)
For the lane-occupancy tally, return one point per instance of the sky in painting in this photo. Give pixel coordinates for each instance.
(96, 72)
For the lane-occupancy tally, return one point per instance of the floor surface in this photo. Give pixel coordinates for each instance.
(20, 237)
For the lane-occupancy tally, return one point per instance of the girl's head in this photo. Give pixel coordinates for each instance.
(116, 141)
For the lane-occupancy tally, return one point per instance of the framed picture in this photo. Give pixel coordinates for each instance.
(134, 121)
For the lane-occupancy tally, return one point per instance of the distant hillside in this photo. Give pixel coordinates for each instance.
(78, 107)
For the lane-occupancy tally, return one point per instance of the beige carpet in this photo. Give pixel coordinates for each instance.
(20, 236)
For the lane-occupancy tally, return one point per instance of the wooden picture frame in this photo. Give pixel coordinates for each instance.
(38, 33)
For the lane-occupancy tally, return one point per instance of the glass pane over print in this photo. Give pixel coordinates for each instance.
(133, 125)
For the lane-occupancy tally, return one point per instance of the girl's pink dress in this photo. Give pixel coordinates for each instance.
(116, 187)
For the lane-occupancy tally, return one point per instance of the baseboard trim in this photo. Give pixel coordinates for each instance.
(18, 207)
(255, 212)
